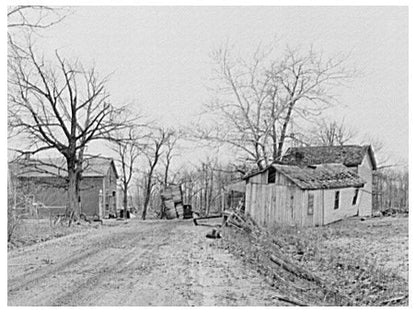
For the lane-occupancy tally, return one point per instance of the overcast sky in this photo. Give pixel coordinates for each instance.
(159, 56)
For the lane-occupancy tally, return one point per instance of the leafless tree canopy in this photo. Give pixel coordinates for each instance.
(129, 144)
(63, 107)
(34, 16)
(256, 99)
(25, 20)
(331, 133)
(155, 149)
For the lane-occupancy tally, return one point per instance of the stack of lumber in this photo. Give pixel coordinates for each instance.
(172, 202)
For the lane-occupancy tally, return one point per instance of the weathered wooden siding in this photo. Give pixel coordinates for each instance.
(285, 203)
(278, 203)
(110, 192)
(346, 208)
(366, 172)
(90, 188)
(316, 217)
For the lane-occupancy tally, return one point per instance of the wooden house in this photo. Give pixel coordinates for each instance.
(303, 196)
(358, 158)
(45, 182)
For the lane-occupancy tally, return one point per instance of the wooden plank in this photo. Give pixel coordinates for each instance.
(283, 204)
(278, 208)
(268, 203)
(255, 211)
(274, 204)
(263, 203)
(248, 198)
(271, 190)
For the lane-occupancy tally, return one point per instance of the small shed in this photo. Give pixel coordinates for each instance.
(302, 196)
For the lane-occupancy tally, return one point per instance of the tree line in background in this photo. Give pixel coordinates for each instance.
(259, 105)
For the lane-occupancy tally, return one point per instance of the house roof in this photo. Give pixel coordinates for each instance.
(93, 167)
(326, 176)
(349, 155)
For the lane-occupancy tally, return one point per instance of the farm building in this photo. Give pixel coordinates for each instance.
(303, 196)
(43, 183)
(358, 158)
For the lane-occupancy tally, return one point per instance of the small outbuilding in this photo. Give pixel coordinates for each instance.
(359, 158)
(303, 195)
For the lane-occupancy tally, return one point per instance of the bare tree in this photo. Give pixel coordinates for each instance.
(34, 16)
(153, 154)
(24, 21)
(255, 100)
(128, 146)
(61, 108)
(331, 133)
(170, 147)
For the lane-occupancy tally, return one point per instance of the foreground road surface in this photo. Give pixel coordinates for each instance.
(139, 263)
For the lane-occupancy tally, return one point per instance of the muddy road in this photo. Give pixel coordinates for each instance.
(138, 263)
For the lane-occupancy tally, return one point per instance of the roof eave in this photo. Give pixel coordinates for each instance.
(333, 187)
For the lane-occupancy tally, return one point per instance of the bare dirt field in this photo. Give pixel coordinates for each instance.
(138, 263)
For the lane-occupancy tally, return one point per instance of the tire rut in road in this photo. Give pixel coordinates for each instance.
(93, 290)
(51, 278)
(28, 281)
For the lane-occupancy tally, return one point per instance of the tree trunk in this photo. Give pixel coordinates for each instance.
(146, 204)
(165, 179)
(274, 138)
(148, 191)
(284, 129)
(125, 201)
(73, 194)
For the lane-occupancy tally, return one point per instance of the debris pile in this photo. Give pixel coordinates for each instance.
(300, 284)
(172, 202)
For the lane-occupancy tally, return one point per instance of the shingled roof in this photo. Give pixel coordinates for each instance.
(326, 176)
(94, 167)
(349, 155)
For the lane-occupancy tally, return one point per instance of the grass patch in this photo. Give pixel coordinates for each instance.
(31, 232)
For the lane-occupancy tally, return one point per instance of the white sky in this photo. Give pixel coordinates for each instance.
(159, 56)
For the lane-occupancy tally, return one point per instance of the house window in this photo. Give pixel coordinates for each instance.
(310, 204)
(354, 199)
(336, 203)
(271, 176)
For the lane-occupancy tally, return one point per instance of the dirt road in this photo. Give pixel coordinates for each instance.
(139, 263)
